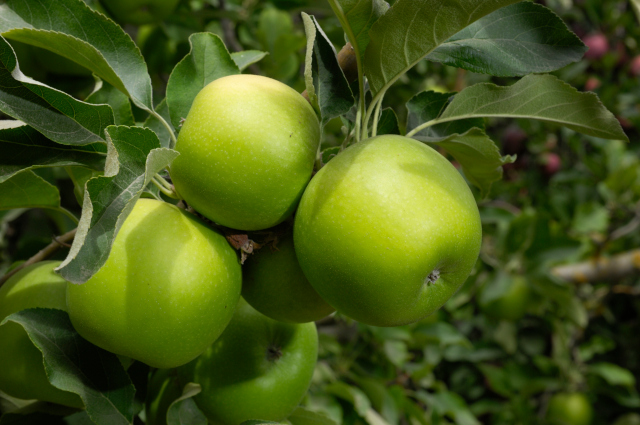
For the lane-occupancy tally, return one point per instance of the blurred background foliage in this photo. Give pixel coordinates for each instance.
(516, 334)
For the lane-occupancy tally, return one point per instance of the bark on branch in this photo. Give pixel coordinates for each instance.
(602, 269)
(43, 254)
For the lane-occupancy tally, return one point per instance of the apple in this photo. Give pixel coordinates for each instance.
(387, 231)
(259, 368)
(164, 388)
(569, 409)
(22, 373)
(592, 84)
(247, 150)
(512, 303)
(635, 66)
(167, 291)
(274, 284)
(598, 46)
(140, 12)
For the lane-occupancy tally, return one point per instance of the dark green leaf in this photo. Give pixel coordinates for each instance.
(388, 122)
(135, 157)
(208, 60)
(412, 29)
(427, 106)
(55, 114)
(28, 190)
(184, 411)
(334, 95)
(516, 40)
(24, 148)
(75, 365)
(247, 57)
(478, 156)
(541, 97)
(105, 93)
(71, 29)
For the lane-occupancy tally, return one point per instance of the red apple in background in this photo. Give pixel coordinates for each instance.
(551, 163)
(635, 66)
(598, 45)
(593, 83)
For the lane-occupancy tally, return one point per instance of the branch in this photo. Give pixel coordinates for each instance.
(58, 242)
(602, 269)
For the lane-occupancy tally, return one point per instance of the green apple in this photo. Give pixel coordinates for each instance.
(247, 150)
(163, 390)
(274, 284)
(569, 409)
(167, 291)
(258, 369)
(387, 231)
(140, 12)
(512, 301)
(22, 373)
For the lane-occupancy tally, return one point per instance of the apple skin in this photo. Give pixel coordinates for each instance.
(22, 373)
(377, 225)
(258, 369)
(247, 150)
(569, 409)
(512, 305)
(140, 12)
(167, 291)
(274, 284)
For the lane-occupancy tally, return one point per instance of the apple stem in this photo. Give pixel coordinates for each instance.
(164, 187)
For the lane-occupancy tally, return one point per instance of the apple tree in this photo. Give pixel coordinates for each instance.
(426, 169)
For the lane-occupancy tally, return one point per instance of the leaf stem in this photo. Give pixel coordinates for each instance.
(42, 254)
(171, 193)
(376, 116)
(166, 125)
(421, 127)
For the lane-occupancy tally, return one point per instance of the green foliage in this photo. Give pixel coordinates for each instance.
(557, 184)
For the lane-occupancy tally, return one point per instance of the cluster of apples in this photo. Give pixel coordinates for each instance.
(384, 233)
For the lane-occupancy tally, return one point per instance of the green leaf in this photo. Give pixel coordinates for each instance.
(613, 374)
(247, 57)
(158, 127)
(350, 394)
(302, 416)
(541, 97)
(75, 365)
(184, 411)
(71, 29)
(80, 176)
(427, 106)
(28, 190)
(412, 29)
(331, 87)
(478, 156)
(463, 139)
(388, 122)
(105, 93)
(451, 405)
(135, 156)
(208, 60)
(635, 4)
(590, 217)
(55, 114)
(24, 148)
(311, 33)
(356, 18)
(516, 40)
